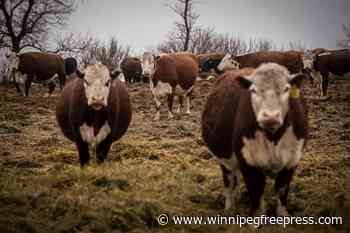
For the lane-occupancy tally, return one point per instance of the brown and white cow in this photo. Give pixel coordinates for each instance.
(290, 59)
(322, 64)
(36, 67)
(94, 110)
(170, 72)
(255, 121)
(203, 58)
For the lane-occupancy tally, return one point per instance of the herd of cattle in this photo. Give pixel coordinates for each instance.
(255, 120)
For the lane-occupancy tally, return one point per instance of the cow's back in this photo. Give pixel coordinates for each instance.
(42, 65)
(292, 60)
(187, 68)
(131, 66)
(337, 63)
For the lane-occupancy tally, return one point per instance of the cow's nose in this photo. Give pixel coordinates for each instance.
(271, 115)
(97, 99)
(271, 120)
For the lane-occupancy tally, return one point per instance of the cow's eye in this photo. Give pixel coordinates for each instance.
(286, 89)
(86, 82)
(108, 82)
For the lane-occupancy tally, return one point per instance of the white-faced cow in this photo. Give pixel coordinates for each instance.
(36, 67)
(290, 59)
(255, 121)
(168, 72)
(220, 65)
(321, 64)
(94, 110)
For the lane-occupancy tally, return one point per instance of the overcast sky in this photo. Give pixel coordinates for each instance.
(145, 23)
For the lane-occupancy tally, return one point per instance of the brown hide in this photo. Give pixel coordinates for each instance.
(41, 65)
(177, 69)
(290, 59)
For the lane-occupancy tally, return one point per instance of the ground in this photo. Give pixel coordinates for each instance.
(157, 167)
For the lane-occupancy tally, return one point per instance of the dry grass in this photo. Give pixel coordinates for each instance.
(157, 167)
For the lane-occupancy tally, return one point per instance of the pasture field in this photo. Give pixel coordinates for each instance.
(157, 167)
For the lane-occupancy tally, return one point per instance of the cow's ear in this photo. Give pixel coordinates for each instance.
(297, 79)
(80, 74)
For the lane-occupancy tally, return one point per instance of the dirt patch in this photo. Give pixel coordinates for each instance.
(157, 167)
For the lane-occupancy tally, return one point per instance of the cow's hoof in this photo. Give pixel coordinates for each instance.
(324, 98)
(282, 211)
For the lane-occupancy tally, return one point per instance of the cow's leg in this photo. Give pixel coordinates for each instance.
(255, 182)
(62, 80)
(324, 83)
(181, 102)
(103, 149)
(282, 187)
(52, 86)
(83, 149)
(170, 103)
(20, 80)
(13, 75)
(188, 96)
(158, 104)
(231, 186)
(27, 83)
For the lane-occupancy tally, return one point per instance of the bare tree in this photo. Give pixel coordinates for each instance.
(27, 22)
(299, 45)
(345, 43)
(72, 42)
(109, 54)
(179, 38)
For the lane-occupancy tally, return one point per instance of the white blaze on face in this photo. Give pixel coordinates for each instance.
(228, 63)
(308, 60)
(270, 92)
(97, 82)
(147, 64)
(13, 61)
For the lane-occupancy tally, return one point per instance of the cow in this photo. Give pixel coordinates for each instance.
(220, 64)
(132, 69)
(37, 67)
(71, 66)
(321, 64)
(94, 110)
(290, 59)
(255, 122)
(202, 58)
(147, 64)
(167, 72)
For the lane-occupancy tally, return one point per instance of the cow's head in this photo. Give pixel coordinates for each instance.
(13, 61)
(148, 66)
(228, 63)
(209, 63)
(97, 82)
(308, 60)
(271, 87)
